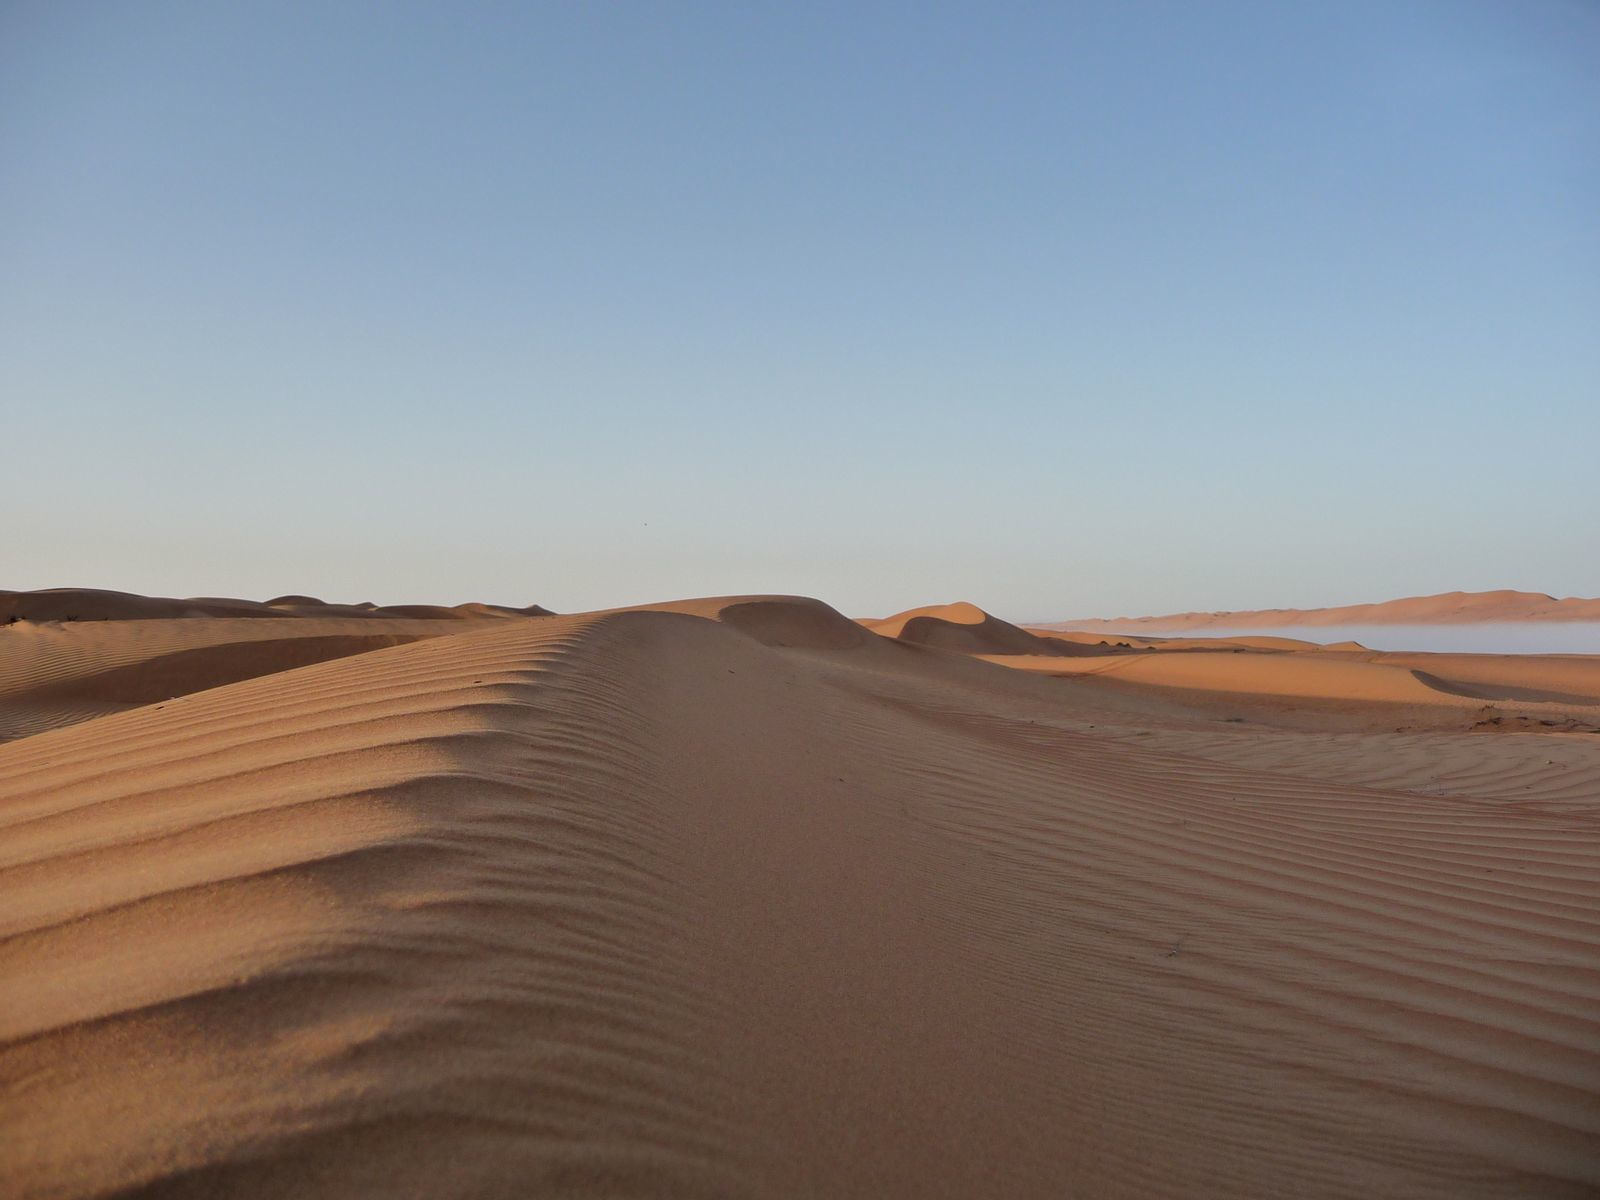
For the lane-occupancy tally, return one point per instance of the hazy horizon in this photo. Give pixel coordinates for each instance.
(1062, 311)
(1071, 312)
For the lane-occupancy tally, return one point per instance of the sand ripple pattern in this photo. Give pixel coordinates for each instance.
(728, 901)
(401, 924)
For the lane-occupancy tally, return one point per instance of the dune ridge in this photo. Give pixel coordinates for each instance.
(386, 928)
(55, 674)
(735, 897)
(968, 629)
(98, 604)
(1446, 608)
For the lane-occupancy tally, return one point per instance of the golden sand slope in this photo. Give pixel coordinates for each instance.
(735, 900)
(967, 628)
(1372, 689)
(57, 674)
(1310, 676)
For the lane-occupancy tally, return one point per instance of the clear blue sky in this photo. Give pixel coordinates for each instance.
(1064, 309)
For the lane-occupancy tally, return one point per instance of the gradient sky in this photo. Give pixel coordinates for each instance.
(1064, 309)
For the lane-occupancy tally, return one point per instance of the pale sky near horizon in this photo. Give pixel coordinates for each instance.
(1064, 309)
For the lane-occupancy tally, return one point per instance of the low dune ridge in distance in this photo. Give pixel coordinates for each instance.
(968, 629)
(96, 604)
(796, 622)
(1447, 608)
(69, 605)
(738, 897)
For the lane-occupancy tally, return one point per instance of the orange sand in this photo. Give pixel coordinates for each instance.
(741, 898)
(1447, 608)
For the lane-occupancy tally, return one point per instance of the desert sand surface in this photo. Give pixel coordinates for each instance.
(738, 897)
(74, 653)
(1447, 608)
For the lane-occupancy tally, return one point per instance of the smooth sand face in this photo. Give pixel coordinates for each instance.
(740, 898)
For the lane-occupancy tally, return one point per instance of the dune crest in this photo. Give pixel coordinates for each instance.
(784, 621)
(57, 674)
(736, 897)
(968, 629)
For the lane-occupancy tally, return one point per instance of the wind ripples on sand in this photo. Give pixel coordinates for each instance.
(737, 898)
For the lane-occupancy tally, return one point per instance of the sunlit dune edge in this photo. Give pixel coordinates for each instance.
(740, 897)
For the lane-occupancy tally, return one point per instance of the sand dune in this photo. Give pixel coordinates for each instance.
(1376, 678)
(1309, 677)
(970, 630)
(1554, 678)
(57, 674)
(780, 621)
(1447, 608)
(94, 604)
(734, 898)
(1171, 642)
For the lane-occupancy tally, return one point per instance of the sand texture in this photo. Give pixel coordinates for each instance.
(740, 898)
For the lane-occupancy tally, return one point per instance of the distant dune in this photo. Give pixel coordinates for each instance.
(94, 604)
(737, 897)
(1447, 608)
(967, 628)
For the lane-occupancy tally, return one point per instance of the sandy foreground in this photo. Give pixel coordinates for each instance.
(741, 898)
